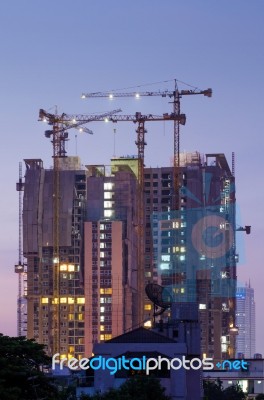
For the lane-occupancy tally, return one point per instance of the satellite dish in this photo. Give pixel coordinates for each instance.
(158, 295)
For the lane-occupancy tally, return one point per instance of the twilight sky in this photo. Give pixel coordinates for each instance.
(52, 51)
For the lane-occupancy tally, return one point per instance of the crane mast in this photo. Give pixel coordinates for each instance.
(20, 268)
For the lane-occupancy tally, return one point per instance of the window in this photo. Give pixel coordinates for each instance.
(63, 300)
(80, 300)
(108, 186)
(106, 291)
(108, 336)
(147, 307)
(108, 195)
(108, 204)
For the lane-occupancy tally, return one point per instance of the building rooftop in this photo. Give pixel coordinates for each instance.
(141, 335)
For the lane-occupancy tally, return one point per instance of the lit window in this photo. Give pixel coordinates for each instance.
(102, 245)
(108, 204)
(176, 224)
(108, 186)
(108, 195)
(148, 274)
(165, 258)
(55, 301)
(106, 291)
(63, 267)
(45, 300)
(148, 324)
(147, 307)
(102, 337)
(102, 318)
(182, 290)
(70, 267)
(102, 327)
(182, 258)
(164, 266)
(80, 300)
(108, 213)
(71, 317)
(202, 306)
(102, 309)
(63, 300)
(70, 300)
(80, 317)
(108, 336)
(183, 249)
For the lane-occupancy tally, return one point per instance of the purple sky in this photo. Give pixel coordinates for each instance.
(51, 52)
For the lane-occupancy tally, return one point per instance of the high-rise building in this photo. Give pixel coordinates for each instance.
(43, 303)
(191, 251)
(246, 321)
(97, 267)
(111, 252)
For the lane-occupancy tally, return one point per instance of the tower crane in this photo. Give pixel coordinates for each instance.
(60, 125)
(175, 95)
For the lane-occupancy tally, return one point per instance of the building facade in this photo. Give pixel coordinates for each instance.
(55, 316)
(93, 296)
(110, 252)
(246, 321)
(191, 251)
(89, 293)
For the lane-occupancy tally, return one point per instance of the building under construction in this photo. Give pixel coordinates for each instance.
(94, 295)
(96, 287)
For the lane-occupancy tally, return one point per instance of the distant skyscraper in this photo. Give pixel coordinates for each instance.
(246, 321)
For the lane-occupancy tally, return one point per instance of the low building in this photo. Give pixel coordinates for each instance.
(250, 378)
(169, 346)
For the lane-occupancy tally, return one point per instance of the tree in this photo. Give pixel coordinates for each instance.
(142, 388)
(136, 388)
(21, 377)
(213, 390)
(234, 392)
